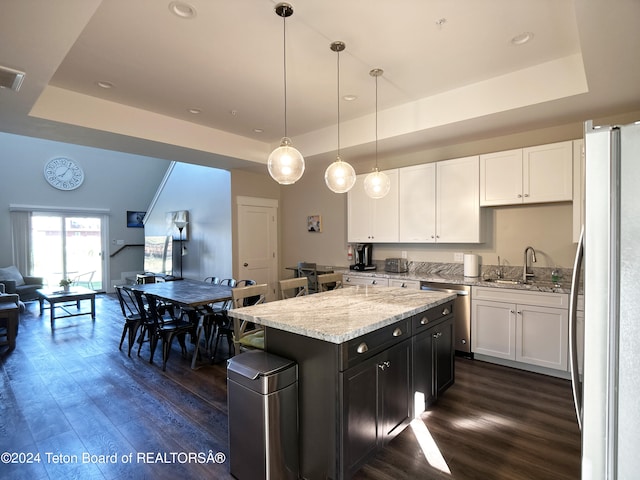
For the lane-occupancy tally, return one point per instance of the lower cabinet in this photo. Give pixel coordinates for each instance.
(528, 327)
(433, 360)
(377, 403)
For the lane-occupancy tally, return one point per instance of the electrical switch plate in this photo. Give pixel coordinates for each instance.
(458, 257)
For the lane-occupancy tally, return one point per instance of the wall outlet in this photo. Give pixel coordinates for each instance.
(458, 257)
(404, 254)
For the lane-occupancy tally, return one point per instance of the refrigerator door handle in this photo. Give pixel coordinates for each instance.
(576, 384)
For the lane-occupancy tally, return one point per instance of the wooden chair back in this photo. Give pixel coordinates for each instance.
(245, 297)
(309, 270)
(294, 287)
(329, 281)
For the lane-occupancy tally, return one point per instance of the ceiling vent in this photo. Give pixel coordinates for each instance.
(10, 78)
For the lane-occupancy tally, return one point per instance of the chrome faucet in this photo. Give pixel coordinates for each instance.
(526, 274)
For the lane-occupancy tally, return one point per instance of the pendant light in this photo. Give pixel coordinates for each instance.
(377, 183)
(285, 164)
(339, 176)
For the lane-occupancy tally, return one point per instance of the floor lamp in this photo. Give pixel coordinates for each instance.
(180, 224)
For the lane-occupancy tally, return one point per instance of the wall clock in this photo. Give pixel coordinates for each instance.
(63, 173)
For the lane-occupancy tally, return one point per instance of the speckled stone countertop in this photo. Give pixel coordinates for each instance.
(448, 273)
(341, 315)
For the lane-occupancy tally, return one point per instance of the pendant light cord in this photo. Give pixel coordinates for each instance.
(284, 49)
(338, 82)
(376, 123)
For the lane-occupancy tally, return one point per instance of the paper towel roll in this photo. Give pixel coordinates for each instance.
(470, 265)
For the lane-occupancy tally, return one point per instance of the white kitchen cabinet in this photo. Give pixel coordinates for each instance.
(351, 280)
(528, 327)
(412, 284)
(373, 220)
(417, 203)
(457, 201)
(578, 188)
(543, 173)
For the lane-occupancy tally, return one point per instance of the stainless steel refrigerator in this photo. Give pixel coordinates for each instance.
(608, 401)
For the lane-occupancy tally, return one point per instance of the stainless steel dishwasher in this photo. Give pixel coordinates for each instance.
(461, 313)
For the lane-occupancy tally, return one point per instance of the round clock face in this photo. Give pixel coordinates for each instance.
(63, 173)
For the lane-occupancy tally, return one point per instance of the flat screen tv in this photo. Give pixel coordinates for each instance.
(158, 254)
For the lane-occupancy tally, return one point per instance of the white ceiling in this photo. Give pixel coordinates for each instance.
(451, 73)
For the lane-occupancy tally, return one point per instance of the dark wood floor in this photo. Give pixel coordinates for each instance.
(69, 392)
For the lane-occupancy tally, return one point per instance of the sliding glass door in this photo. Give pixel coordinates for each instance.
(67, 246)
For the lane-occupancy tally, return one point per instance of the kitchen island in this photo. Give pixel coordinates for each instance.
(364, 355)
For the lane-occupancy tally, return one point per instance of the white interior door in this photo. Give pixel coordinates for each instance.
(258, 241)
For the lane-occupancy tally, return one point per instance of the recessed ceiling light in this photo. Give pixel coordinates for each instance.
(522, 38)
(182, 10)
(194, 111)
(258, 130)
(350, 98)
(103, 84)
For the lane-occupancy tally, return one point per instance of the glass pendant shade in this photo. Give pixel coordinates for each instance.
(377, 184)
(340, 176)
(286, 164)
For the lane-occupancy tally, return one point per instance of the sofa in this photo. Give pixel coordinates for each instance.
(24, 286)
(10, 306)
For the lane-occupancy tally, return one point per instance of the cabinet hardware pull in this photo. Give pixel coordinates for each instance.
(519, 313)
(362, 348)
(424, 321)
(374, 282)
(526, 194)
(519, 196)
(397, 332)
(511, 311)
(437, 335)
(383, 365)
(446, 311)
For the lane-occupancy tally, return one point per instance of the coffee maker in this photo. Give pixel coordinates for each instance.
(363, 257)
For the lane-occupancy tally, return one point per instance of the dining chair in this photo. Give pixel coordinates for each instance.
(84, 280)
(329, 281)
(294, 287)
(309, 270)
(215, 322)
(164, 331)
(132, 317)
(213, 280)
(248, 335)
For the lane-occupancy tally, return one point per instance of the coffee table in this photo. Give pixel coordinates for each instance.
(59, 295)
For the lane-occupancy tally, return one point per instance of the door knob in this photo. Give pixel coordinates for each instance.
(245, 264)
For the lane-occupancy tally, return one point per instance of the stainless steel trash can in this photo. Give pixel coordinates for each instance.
(262, 392)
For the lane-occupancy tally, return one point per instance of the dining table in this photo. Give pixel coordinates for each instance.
(188, 293)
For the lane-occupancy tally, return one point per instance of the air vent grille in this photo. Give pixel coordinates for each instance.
(10, 78)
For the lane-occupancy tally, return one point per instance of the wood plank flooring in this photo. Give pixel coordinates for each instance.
(69, 392)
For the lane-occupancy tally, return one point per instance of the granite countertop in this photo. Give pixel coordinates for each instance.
(343, 314)
(457, 279)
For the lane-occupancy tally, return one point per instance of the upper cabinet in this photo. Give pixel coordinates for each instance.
(373, 220)
(457, 204)
(417, 203)
(439, 202)
(529, 175)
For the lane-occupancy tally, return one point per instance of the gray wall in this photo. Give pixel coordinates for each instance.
(205, 193)
(113, 180)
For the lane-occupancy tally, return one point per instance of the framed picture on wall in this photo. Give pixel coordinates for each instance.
(314, 223)
(135, 219)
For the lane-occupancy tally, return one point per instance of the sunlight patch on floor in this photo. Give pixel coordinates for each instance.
(429, 448)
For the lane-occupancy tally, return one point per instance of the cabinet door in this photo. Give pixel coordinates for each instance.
(360, 414)
(358, 213)
(501, 178)
(417, 203)
(443, 354)
(542, 336)
(394, 377)
(423, 363)
(493, 327)
(547, 173)
(384, 223)
(458, 203)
